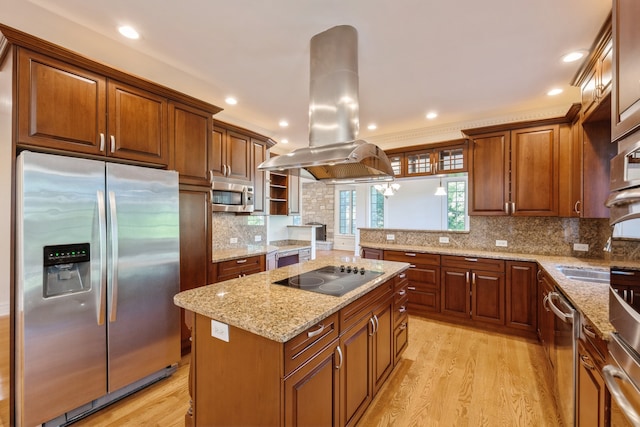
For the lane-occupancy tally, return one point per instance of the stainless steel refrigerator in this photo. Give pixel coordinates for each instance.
(97, 269)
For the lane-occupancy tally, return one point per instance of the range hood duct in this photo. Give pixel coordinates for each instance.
(334, 153)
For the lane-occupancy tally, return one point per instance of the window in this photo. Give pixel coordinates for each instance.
(456, 203)
(347, 212)
(376, 218)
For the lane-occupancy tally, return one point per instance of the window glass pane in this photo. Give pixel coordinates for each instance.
(456, 202)
(376, 218)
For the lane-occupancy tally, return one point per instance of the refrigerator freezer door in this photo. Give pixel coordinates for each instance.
(143, 272)
(60, 336)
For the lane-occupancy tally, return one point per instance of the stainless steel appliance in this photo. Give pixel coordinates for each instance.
(566, 333)
(231, 197)
(331, 280)
(97, 266)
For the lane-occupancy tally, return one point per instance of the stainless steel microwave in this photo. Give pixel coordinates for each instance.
(231, 197)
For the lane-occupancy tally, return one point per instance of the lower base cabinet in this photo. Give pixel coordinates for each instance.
(329, 375)
(591, 391)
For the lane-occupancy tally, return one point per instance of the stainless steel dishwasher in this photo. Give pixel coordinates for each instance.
(566, 332)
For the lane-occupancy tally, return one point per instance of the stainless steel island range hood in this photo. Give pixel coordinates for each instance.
(334, 153)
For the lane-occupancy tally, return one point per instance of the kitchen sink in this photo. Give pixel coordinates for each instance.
(585, 274)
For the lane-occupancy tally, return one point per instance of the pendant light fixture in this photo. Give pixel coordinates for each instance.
(387, 189)
(440, 191)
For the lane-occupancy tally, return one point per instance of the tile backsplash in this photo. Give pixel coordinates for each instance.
(243, 228)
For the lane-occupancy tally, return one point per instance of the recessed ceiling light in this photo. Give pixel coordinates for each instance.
(129, 32)
(372, 126)
(573, 56)
(432, 115)
(284, 141)
(231, 100)
(283, 123)
(554, 92)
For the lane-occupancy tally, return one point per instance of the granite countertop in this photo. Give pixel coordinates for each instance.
(277, 312)
(249, 250)
(285, 248)
(592, 299)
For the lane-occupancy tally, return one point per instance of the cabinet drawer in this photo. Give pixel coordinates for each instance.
(350, 314)
(424, 301)
(400, 293)
(412, 257)
(235, 267)
(401, 280)
(305, 345)
(595, 345)
(400, 338)
(475, 263)
(400, 310)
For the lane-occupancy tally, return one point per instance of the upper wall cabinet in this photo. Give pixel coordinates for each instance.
(625, 94)
(231, 154)
(515, 172)
(190, 137)
(64, 107)
(595, 77)
(432, 159)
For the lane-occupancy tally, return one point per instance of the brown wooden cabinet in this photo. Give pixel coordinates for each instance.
(521, 289)
(400, 316)
(546, 318)
(259, 155)
(64, 107)
(278, 193)
(595, 78)
(230, 157)
(473, 288)
(429, 159)
(515, 172)
(593, 401)
(371, 253)
(625, 94)
(194, 247)
(237, 267)
(190, 138)
(424, 280)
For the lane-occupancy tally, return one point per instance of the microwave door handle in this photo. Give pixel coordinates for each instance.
(245, 195)
(610, 373)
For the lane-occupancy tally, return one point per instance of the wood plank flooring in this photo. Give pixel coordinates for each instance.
(448, 376)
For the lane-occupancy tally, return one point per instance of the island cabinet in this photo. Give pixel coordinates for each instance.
(473, 288)
(64, 107)
(400, 315)
(238, 267)
(423, 280)
(515, 172)
(327, 375)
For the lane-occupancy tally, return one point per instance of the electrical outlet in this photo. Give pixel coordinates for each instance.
(258, 238)
(220, 330)
(582, 247)
(444, 239)
(391, 237)
(233, 240)
(501, 243)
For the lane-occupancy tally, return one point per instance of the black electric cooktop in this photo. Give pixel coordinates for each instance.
(331, 280)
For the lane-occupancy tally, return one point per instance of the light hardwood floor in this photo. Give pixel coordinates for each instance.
(448, 376)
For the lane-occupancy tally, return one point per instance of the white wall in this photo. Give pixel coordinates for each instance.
(277, 227)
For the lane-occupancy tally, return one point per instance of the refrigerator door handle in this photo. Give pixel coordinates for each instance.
(102, 290)
(113, 306)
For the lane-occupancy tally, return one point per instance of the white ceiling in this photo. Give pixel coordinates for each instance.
(471, 61)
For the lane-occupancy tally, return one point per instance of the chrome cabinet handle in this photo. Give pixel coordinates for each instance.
(576, 209)
(210, 176)
(102, 290)
(339, 354)
(471, 259)
(467, 277)
(113, 143)
(588, 331)
(506, 208)
(316, 332)
(539, 275)
(513, 207)
(241, 261)
(623, 273)
(610, 373)
(377, 323)
(411, 288)
(584, 361)
(409, 254)
(373, 327)
(473, 279)
(229, 170)
(402, 309)
(101, 141)
(114, 256)
(403, 325)
(402, 275)
(412, 266)
(402, 292)
(544, 302)
(224, 170)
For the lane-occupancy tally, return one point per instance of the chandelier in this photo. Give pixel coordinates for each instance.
(387, 189)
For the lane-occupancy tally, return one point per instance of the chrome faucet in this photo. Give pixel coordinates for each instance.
(607, 246)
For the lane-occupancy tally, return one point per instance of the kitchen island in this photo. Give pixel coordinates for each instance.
(266, 354)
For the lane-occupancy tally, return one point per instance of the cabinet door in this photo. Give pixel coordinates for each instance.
(218, 152)
(424, 289)
(625, 94)
(194, 247)
(589, 93)
(546, 318)
(591, 393)
(487, 297)
(455, 292)
(521, 295)
(60, 106)
(534, 166)
(137, 126)
(259, 155)
(371, 253)
(189, 136)
(419, 163)
(489, 174)
(356, 372)
(311, 393)
(383, 344)
(238, 158)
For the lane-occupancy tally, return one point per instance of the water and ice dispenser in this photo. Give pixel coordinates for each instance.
(66, 269)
